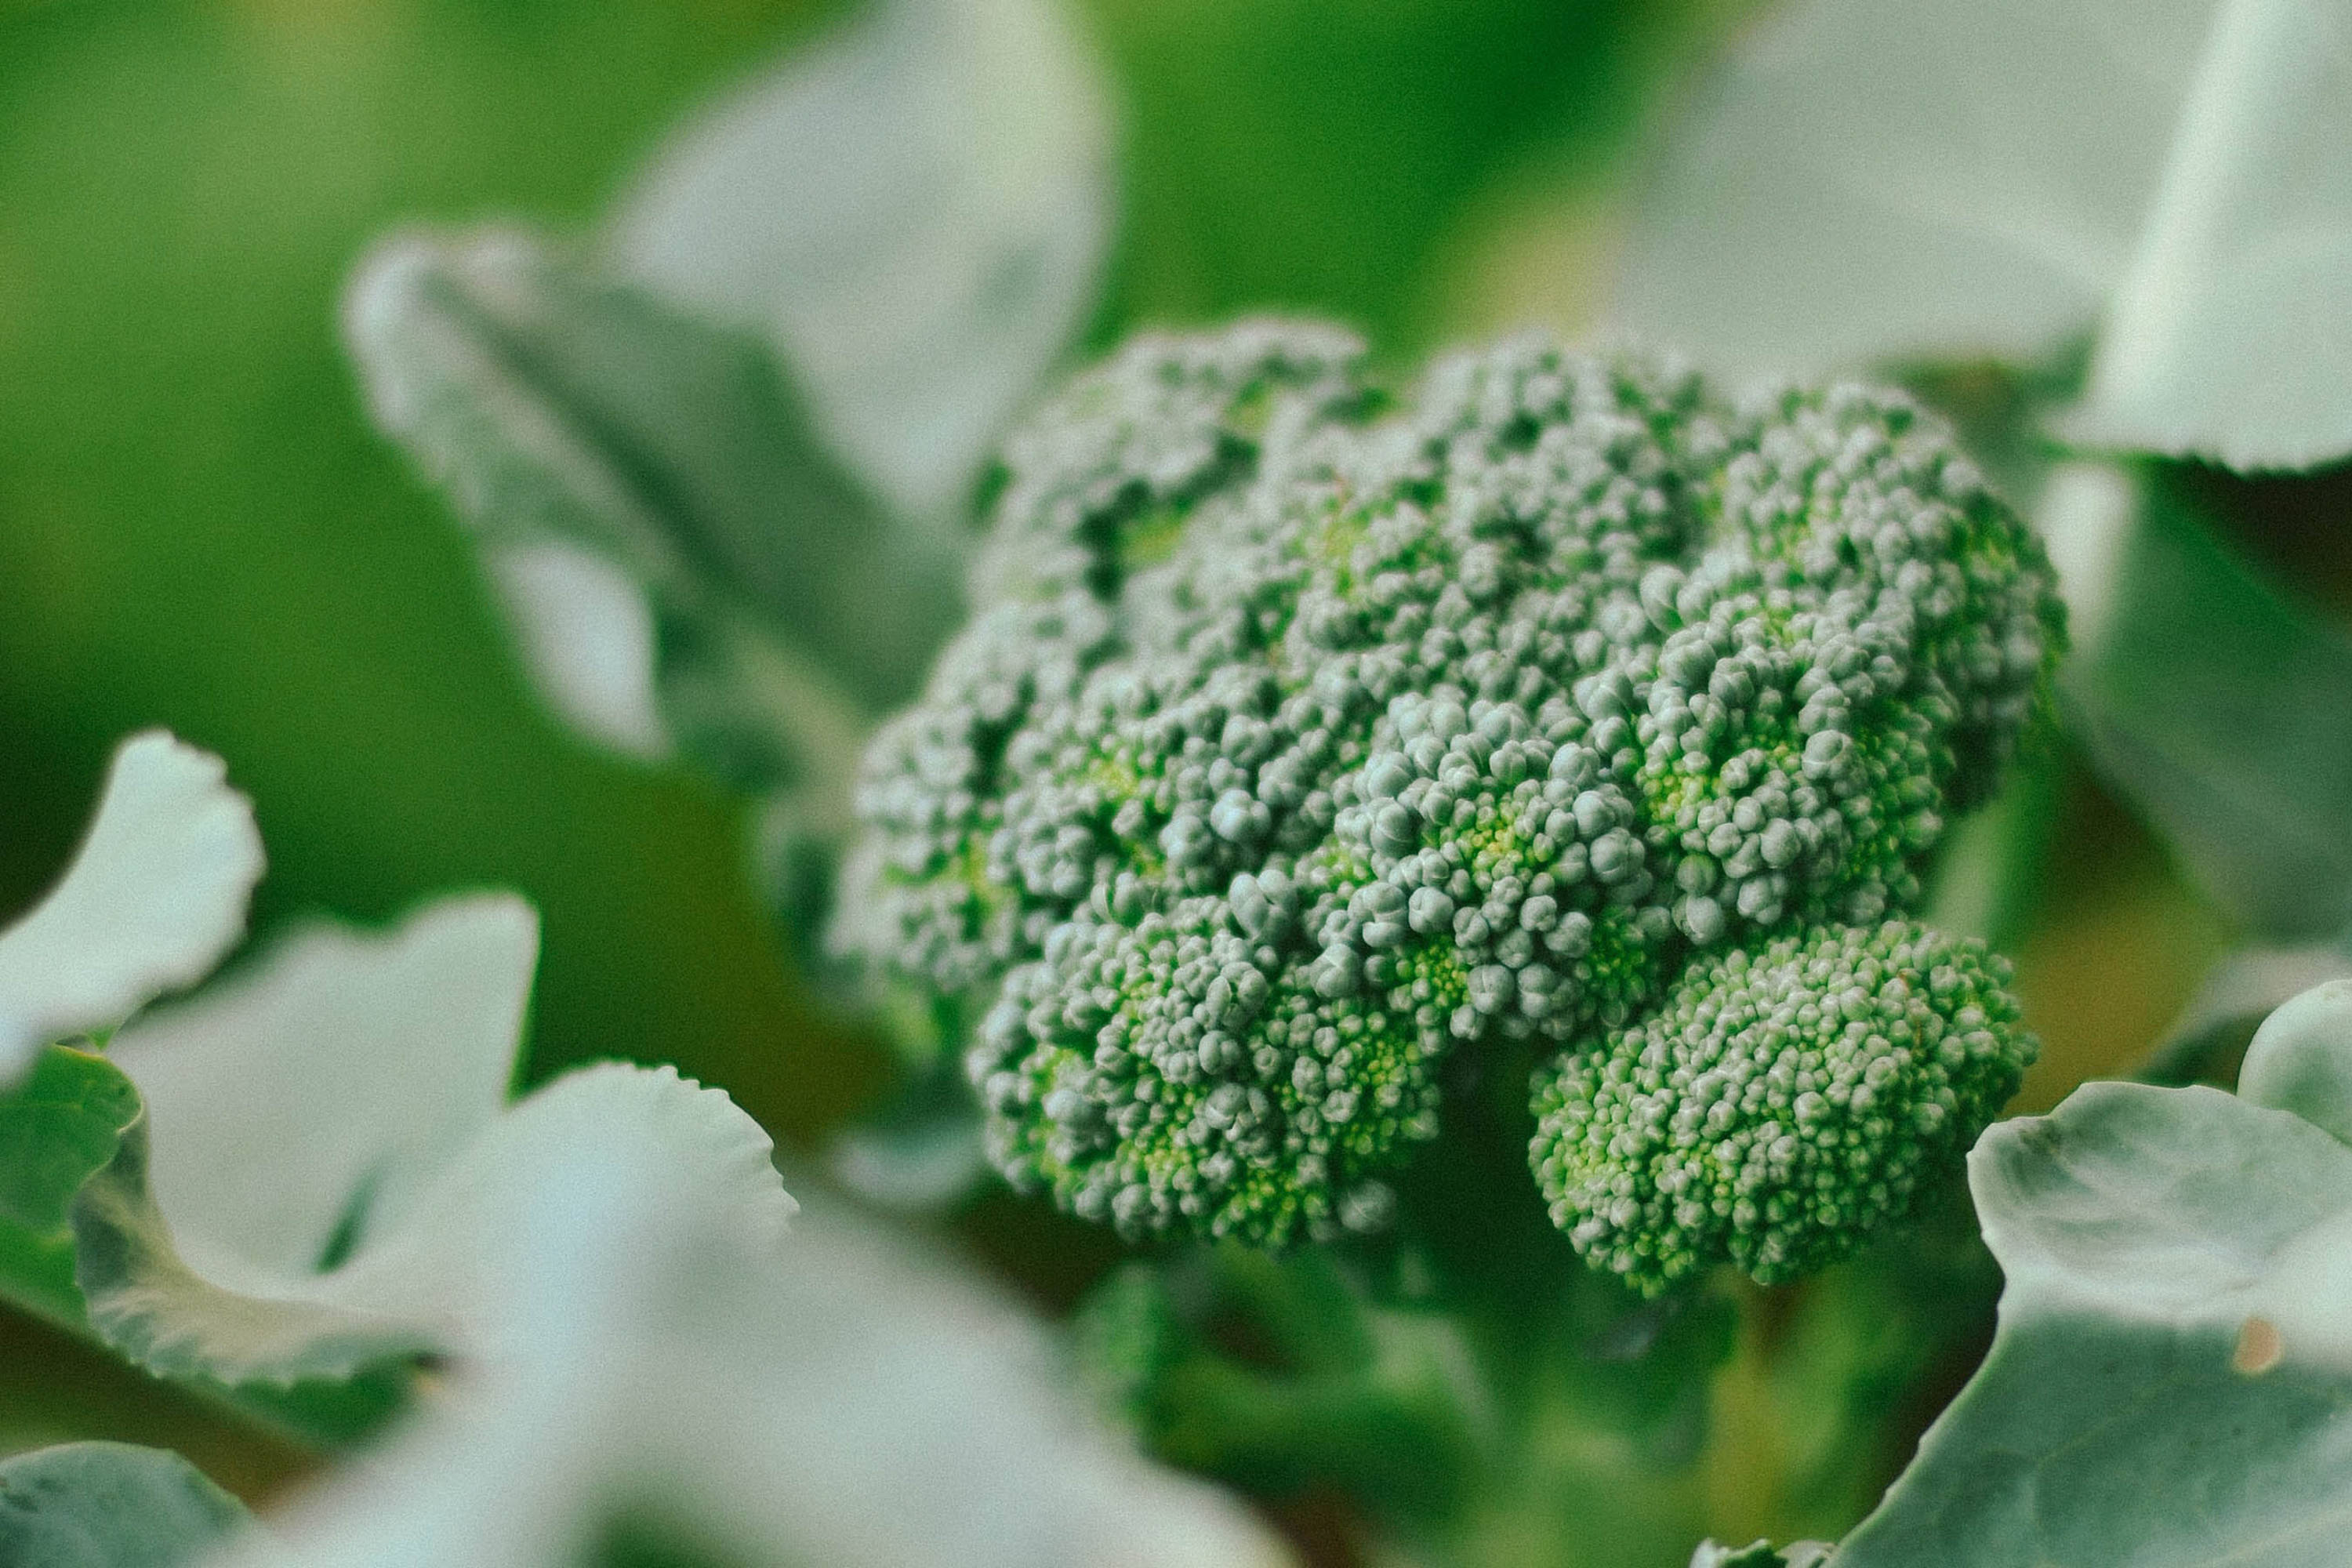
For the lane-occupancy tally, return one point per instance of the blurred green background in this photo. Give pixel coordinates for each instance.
(198, 530)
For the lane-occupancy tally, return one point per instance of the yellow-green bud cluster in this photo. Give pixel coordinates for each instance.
(1778, 1106)
(1298, 743)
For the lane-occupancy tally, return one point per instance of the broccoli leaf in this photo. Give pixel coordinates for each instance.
(915, 214)
(303, 1103)
(321, 1178)
(2230, 337)
(1872, 182)
(837, 1398)
(2203, 1044)
(110, 1505)
(577, 424)
(2174, 1358)
(866, 257)
(1869, 181)
(424, 1284)
(2176, 646)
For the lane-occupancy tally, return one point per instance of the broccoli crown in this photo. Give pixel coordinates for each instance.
(1298, 742)
(1778, 1105)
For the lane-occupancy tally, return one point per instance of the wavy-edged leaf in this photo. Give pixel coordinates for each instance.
(300, 1107)
(2173, 1368)
(154, 896)
(428, 1282)
(567, 415)
(916, 213)
(110, 1505)
(834, 1398)
(2230, 337)
(324, 1176)
(58, 1129)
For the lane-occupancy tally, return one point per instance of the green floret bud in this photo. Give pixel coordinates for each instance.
(1300, 745)
(1780, 1107)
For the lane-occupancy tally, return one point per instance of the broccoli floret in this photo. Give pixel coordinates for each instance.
(1298, 743)
(1778, 1106)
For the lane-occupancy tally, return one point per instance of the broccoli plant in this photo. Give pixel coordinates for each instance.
(1307, 759)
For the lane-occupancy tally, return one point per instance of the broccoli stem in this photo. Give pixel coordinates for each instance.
(1479, 1395)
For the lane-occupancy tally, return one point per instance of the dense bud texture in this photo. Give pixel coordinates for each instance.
(1778, 1106)
(1298, 743)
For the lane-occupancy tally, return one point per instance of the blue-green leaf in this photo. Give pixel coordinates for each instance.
(2233, 1000)
(1875, 180)
(2301, 1059)
(110, 1505)
(2173, 691)
(324, 1177)
(2172, 1375)
(1872, 182)
(2230, 335)
(915, 213)
(687, 566)
(833, 1397)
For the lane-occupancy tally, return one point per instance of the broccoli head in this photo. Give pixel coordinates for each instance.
(1300, 744)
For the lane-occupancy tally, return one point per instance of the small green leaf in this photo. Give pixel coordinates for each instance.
(915, 214)
(2173, 1369)
(57, 1128)
(110, 1505)
(1759, 1554)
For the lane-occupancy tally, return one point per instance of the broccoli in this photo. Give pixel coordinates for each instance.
(1299, 745)
(1777, 1104)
